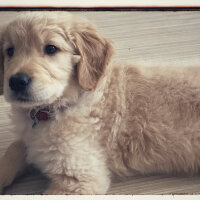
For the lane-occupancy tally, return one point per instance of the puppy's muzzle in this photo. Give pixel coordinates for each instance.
(19, 83)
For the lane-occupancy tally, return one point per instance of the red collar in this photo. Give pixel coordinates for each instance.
(45, 113)
(38, 115)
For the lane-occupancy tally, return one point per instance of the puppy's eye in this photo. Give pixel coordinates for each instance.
(10, 51)
(50, 49)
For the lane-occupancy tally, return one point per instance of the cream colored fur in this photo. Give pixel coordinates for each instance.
(117, 118)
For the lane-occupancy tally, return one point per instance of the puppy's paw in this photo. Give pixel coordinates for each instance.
(12, 163)
(59, 191)
(75, 189)
(51, 191)
(55, 190)
(6, 177)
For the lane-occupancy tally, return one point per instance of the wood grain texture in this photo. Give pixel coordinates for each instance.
(150, 37)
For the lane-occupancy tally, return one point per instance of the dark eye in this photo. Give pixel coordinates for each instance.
(10, 51)
(50, 49)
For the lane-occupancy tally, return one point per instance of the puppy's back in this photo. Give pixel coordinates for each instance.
(156, 120)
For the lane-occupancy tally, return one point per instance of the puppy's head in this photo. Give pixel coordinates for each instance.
(47, 56)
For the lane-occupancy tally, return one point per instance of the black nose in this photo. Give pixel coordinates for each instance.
(19, 82)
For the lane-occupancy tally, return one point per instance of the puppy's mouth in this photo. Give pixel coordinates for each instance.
(19, 88)
(24, 97)
(19, 85)
(23, 91)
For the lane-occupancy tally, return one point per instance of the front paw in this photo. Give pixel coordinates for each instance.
(55, 190)
(6, 174)
(59, 191)
(72, 186)
(51, 191)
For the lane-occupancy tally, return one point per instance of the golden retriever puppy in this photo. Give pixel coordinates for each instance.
(81, 118)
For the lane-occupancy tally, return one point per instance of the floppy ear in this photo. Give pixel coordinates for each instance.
(95, 52)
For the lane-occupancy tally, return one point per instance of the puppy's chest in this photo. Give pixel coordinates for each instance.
(41, 141)
(56, 140)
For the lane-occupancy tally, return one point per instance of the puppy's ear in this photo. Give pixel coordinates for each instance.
(95, 52)
(1, 70)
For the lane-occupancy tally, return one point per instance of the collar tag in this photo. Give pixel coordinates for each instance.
(35, 122)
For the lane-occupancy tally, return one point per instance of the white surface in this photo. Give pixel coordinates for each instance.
(100, 3)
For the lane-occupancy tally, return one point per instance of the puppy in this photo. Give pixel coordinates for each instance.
(81, 117)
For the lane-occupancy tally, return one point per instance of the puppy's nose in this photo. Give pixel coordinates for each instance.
(19, 82)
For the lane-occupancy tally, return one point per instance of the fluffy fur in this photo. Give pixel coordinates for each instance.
(110, 117)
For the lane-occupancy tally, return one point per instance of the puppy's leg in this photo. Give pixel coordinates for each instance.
(79, 184)
(85, 172)
(82, 184)
(12, 163)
